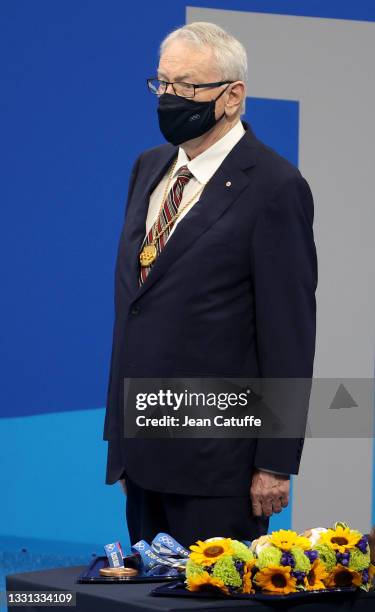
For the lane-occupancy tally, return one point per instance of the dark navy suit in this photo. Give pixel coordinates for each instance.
(232, 294)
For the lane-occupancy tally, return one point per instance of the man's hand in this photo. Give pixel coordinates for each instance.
(123, 485)
(269, 493)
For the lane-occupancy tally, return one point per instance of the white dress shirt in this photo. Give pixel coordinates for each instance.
(202, 167)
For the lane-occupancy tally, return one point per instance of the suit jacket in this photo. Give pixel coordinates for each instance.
(231, 295)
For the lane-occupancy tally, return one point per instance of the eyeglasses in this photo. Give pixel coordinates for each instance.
(185, 90)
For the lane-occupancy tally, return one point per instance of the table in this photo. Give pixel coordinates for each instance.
(136, 598)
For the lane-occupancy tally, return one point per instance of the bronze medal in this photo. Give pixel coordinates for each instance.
(148, 255)
(118, 571)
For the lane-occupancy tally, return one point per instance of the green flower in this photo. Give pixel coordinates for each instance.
(225, 569)
(302, 561)
(327, 556)
(192, 569)
(359, 561)
(270, 555)
(241, 551)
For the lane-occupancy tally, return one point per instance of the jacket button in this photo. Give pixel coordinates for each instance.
(135, 310)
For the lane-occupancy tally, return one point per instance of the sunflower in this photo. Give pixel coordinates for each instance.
(276, 579)
(204, 581)
(342, 576)
(315, 577)
(341, 538)
(247, 585)
(207, 553)
(285, 539)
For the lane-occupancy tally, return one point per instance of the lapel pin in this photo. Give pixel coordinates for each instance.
(228, 184)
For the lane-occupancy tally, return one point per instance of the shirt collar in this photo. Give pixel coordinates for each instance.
(205, 165)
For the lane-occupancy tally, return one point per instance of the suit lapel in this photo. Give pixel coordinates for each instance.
(135, 226)
(223, 189)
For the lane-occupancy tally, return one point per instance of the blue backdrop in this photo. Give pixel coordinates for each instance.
(75, 113)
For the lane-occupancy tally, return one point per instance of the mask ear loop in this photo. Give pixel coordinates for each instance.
(214, 100)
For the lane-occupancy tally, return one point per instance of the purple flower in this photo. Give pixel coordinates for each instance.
(312, 555)
(239, 565)
(365, 576)
(362, 544)
(343, 558)
(299, 575)
(287, 559)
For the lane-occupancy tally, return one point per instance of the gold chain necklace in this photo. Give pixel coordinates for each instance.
(149, 253)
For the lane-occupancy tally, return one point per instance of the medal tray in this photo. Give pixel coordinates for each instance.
(91, 574)
(178, 589)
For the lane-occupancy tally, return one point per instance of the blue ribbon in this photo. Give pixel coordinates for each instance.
(164, 544)
(164, 552)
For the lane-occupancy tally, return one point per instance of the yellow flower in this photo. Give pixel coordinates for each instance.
(247, 585)
(197, 582)
(207, 553)
(315, 577)
(285, 539)
(276, 579)
(341, 538)
(342, 576)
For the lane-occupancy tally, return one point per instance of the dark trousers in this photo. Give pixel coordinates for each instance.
(189, 518)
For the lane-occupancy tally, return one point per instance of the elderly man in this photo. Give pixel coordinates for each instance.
(216, 276)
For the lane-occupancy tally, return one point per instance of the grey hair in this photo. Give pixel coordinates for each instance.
(230, 54)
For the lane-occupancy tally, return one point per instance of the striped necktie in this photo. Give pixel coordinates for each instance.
(169, 210)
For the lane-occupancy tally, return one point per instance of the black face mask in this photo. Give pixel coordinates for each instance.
(181, 119)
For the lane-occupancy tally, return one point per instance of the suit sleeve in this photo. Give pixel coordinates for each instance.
(285, 276)
(132, 180)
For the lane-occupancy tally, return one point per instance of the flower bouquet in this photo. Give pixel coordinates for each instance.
(220, 564)
(345, 555)
(282, 563)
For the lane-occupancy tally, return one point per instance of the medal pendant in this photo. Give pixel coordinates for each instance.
(148, 255)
